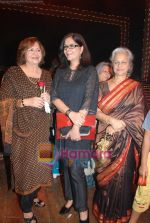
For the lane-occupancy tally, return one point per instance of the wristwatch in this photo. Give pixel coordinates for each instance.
(68, 112)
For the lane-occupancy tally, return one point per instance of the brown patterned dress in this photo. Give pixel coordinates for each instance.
(30, 129)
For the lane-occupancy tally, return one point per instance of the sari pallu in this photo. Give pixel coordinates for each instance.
(114, 196)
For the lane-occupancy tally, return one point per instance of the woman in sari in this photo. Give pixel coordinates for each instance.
(119, 138)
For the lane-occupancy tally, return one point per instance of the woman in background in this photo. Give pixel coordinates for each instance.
(25, 124)
(104, 71)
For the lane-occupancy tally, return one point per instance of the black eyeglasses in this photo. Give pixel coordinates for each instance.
(71, 46)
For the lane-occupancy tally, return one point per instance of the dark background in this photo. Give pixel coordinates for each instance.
(101, 39)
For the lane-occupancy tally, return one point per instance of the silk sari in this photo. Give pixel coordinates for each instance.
(114, 195)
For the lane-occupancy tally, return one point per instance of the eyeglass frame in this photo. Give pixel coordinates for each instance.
(71, 46)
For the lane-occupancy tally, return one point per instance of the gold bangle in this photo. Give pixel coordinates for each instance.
(82, 115)
(77, 125)
(107, 121)
(19, 103)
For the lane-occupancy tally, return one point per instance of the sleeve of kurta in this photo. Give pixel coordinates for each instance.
(7, 102)
(55, 82)
(146, 124)
(91, 92)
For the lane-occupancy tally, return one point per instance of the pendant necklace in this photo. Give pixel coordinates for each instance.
(72, 73)
(33, 80)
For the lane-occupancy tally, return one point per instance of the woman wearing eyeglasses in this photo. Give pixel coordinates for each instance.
(75, 93)
(119, 138)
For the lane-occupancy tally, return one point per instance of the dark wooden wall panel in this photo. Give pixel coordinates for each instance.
(50, 23)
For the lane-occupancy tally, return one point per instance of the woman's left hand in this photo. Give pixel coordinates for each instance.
(46, 97)
(74, 133)
(110, 130)
(117, 124)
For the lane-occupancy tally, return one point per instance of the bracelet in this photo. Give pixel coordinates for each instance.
(68, 112)
(22, 102)
(82, 115)
(107, 121)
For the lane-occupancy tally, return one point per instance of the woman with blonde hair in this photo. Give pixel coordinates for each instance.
(25, 123)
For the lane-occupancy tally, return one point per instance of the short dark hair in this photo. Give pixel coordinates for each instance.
(24, 45)
(78, 38)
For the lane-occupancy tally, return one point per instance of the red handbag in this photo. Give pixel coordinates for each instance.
(63, 121)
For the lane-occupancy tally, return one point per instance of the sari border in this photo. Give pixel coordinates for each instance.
(106, 175)
(102, 219)
(117, 94)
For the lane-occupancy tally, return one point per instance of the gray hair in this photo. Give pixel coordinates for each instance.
(100, 66)
(125, 51)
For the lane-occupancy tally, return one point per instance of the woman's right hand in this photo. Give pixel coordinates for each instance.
(36, 102)
(117, 124)
(110, 130)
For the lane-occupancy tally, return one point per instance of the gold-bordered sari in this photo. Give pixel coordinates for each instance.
(113, 198)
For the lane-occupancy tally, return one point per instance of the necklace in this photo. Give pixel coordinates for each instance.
(72, 73)
(33, 80)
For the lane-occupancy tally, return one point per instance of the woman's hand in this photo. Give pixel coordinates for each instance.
(46, 97)
(117, 124)
(110, 130)
(143, 170)
(36, 102)
(77, 118)
(74, 133)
